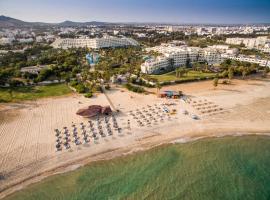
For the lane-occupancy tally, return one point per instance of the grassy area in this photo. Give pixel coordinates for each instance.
(220, 168)
(191, 75)
(32, 92)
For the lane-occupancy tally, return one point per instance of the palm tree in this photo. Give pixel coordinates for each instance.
(244, 72)
(230, 73)
(177, 72)
(158, 86)
(10, 93)
(265, 72)
(215, 82)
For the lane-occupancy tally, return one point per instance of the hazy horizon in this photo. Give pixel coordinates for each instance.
(139, 11)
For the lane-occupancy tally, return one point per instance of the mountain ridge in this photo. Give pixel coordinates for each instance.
(9, 22)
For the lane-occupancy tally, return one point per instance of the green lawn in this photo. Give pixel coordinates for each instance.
(221, 168)
(32, 92)
(191, 75)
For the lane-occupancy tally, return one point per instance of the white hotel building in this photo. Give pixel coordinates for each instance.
(249, 42)
(95, 43)
(243, 58)
(176, 56)
(151, 66)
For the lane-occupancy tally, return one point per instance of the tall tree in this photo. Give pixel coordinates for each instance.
(215, 82)
(158, 86)
(230, 73)
(244, 72)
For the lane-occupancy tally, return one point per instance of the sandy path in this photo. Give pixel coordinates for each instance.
(28, 141)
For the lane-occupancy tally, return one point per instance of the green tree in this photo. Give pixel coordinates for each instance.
(215, 82)
(158, 86)
(10, 93)
(266, 70)
(80, 88)
(230, 73)
(244, 72)
(181, 71)
(224, 74)
(88, 94)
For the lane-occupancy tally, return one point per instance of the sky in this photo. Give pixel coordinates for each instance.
(162, 11)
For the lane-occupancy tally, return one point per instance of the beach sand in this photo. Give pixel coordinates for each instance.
(27, 152)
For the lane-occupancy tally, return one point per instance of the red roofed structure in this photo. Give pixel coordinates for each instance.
(94, 110)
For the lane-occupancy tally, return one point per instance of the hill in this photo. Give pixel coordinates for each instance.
(74, 24)
(8, 22)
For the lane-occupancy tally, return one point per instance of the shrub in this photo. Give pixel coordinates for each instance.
(215, 82)
(98, 88)
(73, 83)
(80, 88)
(88, 95)
(15, 83)
(133, 88)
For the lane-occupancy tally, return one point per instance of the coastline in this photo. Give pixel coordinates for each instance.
(76, 164)
(28, 152)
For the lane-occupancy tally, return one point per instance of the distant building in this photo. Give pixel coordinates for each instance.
(7, 40)
(115, 32)
(25, 40)
(174, 28)
(140, 35)
(220, 47)
(33, 69)
(39, 39)
(95, 43)
(248, 42)
(224, 49)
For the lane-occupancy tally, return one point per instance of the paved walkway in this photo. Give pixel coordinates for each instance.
(109, 100)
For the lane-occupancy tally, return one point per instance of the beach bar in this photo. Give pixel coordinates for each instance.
(170, 94)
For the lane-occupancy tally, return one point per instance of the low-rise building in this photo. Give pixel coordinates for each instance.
(243, 58)
(25, 40)
(7, 40)
(33, 69)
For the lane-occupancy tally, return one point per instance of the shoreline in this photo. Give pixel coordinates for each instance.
(76, 164)
(28, 153)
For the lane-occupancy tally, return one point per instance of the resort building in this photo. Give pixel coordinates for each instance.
(211, 56)
(155, 66)
(243, 58)
(177, 56)
(224, 49)
(95, 43)
(248, 42)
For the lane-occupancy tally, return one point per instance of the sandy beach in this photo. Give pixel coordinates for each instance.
(28, 154)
